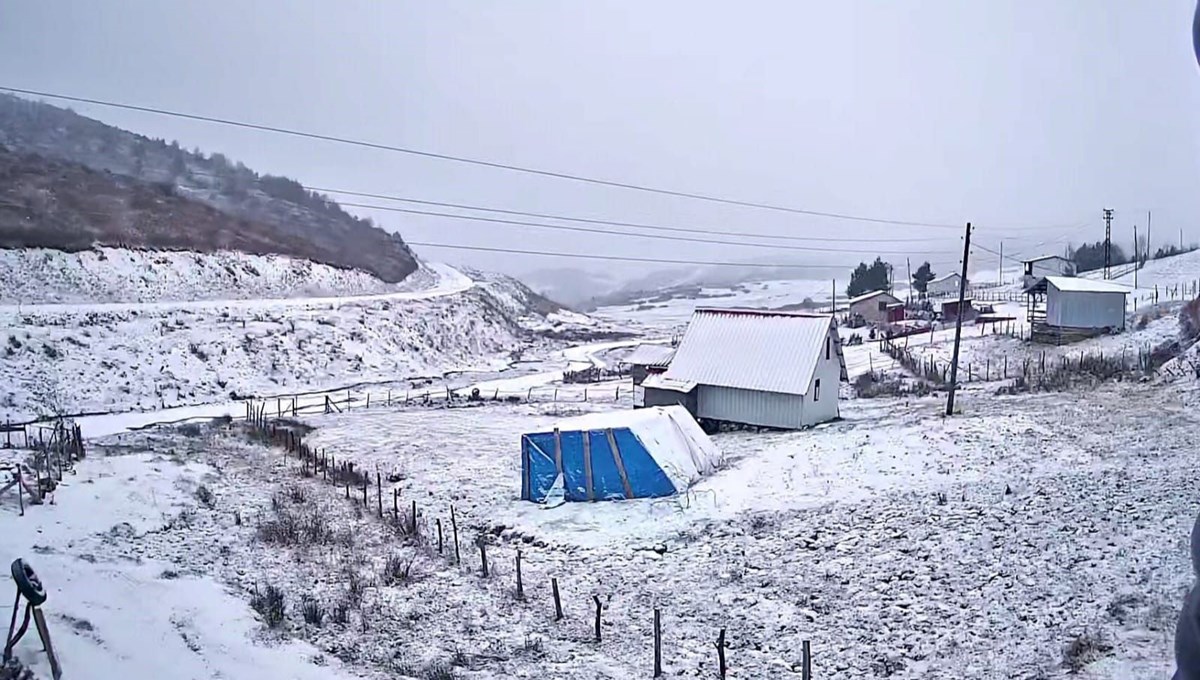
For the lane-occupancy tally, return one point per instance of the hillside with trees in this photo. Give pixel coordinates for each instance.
(866, 278)
(263, 213)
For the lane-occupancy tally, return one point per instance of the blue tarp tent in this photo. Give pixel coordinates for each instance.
(644, 453)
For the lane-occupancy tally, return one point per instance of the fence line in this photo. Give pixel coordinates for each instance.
(316, 464)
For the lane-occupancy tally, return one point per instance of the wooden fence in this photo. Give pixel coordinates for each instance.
(410, 520)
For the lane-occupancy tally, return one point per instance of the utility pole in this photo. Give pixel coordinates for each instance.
(1000, 278)
(833, 299)
(1148, 246)
(1136, 262)
(1108, 215)
(962, 293)
(908, 264)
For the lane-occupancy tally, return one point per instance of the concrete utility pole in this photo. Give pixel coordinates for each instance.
(1108, 215)
(962, 294)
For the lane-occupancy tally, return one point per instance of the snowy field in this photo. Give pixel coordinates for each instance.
(1039, 536)
(40, 275)
(1064, 518)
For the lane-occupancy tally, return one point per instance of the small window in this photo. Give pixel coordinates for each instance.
(882, 305)
(817, 390)
(827, 354)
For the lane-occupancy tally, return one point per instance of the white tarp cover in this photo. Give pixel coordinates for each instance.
(669, 434)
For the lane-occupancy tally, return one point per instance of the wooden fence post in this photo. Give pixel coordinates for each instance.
(557, 602)
(20, 497)
(483, 556)
(657, 644)
(439, 529)
(520, 585)
(721, 654)
(396, 505)
(454, 528)
(805, 661)
(379, 493)
(599, 608)
(414, 521)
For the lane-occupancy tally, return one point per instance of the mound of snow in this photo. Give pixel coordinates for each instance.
(39, 275)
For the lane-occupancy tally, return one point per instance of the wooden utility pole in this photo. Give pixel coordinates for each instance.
(1136, 258)
(908, 264)
(1108, 215)
(1148, 246)
(833, 303)
(1000, 278)
(962, 293)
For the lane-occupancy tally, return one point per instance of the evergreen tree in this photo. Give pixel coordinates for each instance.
(922, 277)
(865, 279)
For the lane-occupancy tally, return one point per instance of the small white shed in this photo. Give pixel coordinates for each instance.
(1047, 265)
(945, 285)
(1070, 308)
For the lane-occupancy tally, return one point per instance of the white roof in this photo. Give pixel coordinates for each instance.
(662, 382)
(868, 296)
(1046, 257)
(752, 349)
(670, 435)
(1071, 284)
(951, 275)
(650, 355)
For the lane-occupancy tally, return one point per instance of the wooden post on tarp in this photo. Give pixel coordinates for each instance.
(587, 465)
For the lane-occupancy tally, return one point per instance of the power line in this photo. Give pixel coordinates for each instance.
(478, 162)
(635, 225)
(622, 258)
(607, 232)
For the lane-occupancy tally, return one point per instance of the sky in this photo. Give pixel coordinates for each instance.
(1024, 118)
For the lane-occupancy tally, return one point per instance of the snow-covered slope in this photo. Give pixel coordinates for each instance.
(121, 356)
(40, 275)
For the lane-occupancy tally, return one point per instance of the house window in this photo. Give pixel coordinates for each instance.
(817, 390)
(883, 305)
(827, 355)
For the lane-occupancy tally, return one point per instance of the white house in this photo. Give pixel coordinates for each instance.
(873, 307)
(1066, 308)
(945, 285)
(1047, 265)
(754, 367)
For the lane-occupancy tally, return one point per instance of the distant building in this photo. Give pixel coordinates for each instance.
(1065, 309)
(946, 285)
(951, 310)
(1047, 265)
(646, 359)
(752, 367)
(873, 307)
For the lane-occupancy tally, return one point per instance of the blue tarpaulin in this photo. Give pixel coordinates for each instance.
(643, 454)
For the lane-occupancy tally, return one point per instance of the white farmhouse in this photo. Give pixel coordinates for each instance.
(945, 285)
(1066, 308)
(754, 367)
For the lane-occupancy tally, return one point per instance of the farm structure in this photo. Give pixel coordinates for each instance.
(952, 309)
(619, 455)
(1066, 309)
(1047, 265)
(945, 285)
(646, 360)
(754, 367)
(877, 308)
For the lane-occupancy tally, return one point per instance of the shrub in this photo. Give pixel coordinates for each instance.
(340, 614)
(1083, 650)
(205, 496)
(312, 611)
(397, 569)
(269, 603)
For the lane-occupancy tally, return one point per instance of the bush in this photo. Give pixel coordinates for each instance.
(205, 496)
(1083, 650)
(312, 611)
(397, 570)
(340, 614)
(269, 603)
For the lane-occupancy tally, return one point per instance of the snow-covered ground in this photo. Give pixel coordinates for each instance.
(40, 275)
(100, 357)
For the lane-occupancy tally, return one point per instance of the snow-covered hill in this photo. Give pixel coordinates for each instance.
(42, 275)
(97, 357)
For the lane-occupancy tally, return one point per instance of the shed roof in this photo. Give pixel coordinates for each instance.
(1045, 257)
(1071, 284)
(650, 355)
(868, 296)
(946, 277)
(750, 349)
(662, 382)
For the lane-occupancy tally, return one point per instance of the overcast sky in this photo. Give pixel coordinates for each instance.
(1025, 118)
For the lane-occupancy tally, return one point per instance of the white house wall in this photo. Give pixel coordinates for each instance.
(829, 371)
(767, 409)
(1085, 309)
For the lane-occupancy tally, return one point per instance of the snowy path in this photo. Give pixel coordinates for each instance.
(450, 281)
